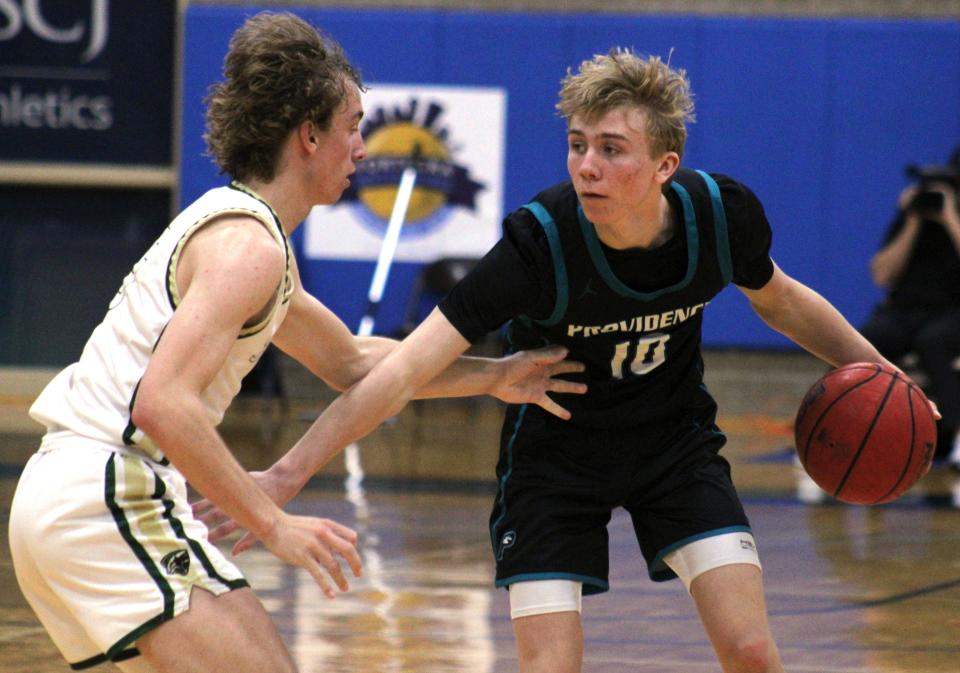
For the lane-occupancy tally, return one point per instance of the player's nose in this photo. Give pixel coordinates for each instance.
(588, 168)
(360, 152)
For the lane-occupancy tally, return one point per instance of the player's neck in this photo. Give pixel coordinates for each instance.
(649, 227)
(284, 200)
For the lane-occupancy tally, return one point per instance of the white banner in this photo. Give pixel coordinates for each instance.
(454, 137)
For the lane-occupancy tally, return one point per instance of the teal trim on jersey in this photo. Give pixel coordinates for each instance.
(615, 284)
(502, 495)
(719, 227)
(559, 266)
(591, 585)
(660, 571)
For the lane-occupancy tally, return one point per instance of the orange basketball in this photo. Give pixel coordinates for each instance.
(865, 434)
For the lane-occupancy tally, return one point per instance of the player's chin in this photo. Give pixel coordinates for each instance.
(333, 197)
(595, 208)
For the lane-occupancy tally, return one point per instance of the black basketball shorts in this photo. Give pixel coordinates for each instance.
(558, 485)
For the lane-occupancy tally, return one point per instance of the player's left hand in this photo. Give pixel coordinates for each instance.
(528, 376)
(220, 525)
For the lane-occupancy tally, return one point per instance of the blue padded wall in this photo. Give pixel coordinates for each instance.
(818, 117)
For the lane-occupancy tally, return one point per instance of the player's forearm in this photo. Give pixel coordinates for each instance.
(196, 449)
(353, 415)
(818, 327)
(466, 376)
(382, 393)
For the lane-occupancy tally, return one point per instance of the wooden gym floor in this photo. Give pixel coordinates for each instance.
(850, 589)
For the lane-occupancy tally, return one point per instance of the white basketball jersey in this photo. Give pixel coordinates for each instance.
(93, 397)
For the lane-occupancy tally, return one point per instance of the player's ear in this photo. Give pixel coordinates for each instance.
(307, 134)
(669, 163)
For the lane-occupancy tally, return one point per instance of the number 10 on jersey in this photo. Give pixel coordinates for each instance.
(639, 356)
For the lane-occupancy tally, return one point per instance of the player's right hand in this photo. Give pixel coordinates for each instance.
(315, 545)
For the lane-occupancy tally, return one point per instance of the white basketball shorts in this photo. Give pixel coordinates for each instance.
(105, 547)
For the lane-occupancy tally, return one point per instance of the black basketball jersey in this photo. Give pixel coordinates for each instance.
(641, 348)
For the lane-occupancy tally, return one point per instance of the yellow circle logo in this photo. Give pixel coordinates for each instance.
(398, 138)
(401, 141)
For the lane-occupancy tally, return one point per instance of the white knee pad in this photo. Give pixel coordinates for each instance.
(694, 559)
(539, 597)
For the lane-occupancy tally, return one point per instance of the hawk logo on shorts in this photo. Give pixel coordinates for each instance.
(747, 544)
(176, 562)
(506, 541)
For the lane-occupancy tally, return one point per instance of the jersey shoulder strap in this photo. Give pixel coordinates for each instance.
(699, 187)
(541, 208)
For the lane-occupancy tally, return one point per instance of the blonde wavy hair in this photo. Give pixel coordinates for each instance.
(621, 78)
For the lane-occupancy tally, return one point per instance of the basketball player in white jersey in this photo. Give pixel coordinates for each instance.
(104, 543)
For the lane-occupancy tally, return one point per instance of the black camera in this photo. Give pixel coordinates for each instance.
(927, 203)
(929, 200)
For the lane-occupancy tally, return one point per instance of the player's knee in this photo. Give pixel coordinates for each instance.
(749, 655)
(546, 623)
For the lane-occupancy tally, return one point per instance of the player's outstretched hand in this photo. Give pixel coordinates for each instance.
(315, 545)
(529, 375)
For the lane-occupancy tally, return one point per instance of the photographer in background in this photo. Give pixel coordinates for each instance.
(919, 267)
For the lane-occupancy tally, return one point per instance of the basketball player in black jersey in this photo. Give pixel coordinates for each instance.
(617, 265)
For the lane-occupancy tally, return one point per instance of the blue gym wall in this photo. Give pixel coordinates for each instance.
(818, 117)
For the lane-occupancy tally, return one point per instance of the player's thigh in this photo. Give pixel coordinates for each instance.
(231, 632)
(699, 502)
(553, 504)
